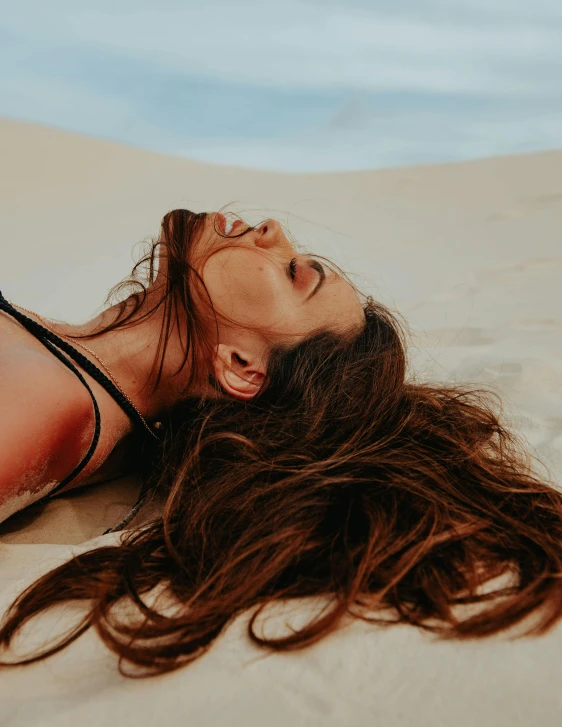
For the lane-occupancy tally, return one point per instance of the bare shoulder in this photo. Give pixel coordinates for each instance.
(46, 422)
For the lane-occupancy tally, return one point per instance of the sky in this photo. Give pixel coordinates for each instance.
(294, 86)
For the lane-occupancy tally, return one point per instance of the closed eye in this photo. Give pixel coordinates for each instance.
(293, 268)
(315, 265)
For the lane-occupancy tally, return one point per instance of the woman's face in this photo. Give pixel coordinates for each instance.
(260, 282)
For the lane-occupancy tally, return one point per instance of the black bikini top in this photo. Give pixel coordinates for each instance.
(53, 342)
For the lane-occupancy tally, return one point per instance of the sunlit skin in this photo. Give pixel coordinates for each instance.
(270, 294)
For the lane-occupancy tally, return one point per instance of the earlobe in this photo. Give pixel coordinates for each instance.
(244, 386)
(236, 372)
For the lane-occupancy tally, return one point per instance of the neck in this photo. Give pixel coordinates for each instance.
(130, 354)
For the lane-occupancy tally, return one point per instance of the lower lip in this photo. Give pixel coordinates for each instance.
(222, 220)
(238, 222)
(222, 224)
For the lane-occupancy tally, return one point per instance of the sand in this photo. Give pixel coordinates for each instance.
(470, 253)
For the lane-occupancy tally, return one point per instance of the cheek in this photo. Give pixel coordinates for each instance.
(246, 287)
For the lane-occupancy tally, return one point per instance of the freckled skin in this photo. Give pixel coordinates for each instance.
(247, 279)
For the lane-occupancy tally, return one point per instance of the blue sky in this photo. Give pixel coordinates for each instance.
(298, 85)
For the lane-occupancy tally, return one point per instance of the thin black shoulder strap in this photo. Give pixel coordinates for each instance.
(95, 439)
(5, 306)
(45, 335)
(50, 340)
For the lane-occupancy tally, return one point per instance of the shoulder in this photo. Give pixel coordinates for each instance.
(46, 421)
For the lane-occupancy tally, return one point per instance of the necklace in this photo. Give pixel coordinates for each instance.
(113, 379)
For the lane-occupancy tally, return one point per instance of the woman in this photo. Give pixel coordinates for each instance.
(297, 459)
(269, 293)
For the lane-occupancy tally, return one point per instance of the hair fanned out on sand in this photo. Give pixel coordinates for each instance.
(397, 500)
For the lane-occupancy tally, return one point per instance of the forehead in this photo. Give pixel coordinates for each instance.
(335, 307)
(338, 303)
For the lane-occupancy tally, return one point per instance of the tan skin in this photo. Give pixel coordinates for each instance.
(46, 415)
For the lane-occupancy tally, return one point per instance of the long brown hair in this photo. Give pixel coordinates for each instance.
(343, 478)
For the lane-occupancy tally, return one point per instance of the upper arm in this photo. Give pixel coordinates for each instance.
(42, 430)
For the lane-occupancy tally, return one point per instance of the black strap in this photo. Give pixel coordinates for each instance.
(45, 335)
(50, 340)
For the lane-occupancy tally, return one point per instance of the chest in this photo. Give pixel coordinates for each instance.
(22, 354)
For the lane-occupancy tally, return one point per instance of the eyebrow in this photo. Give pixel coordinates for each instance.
(322, 277)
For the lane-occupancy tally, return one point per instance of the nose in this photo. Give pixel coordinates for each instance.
(269, 235)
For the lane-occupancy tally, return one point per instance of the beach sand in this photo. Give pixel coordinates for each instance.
(469, 253)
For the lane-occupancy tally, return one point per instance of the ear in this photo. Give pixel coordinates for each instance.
(239, 373)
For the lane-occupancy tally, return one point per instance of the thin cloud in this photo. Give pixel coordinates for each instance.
(266, 84)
